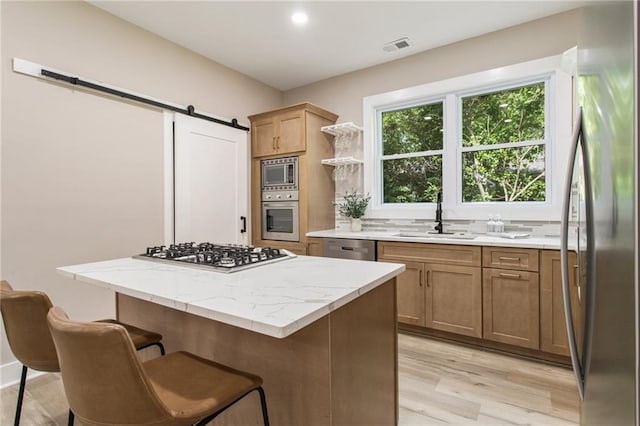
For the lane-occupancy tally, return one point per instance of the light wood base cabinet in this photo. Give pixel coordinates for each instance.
(503, 298)
(454, 299)
(553, 328)
(411, 294)
(315, 247)
(440, 292)
(511, 307)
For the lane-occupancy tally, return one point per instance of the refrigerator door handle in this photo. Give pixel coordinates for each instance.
(564, 259)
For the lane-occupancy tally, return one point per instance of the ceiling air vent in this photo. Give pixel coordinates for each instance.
(396, 45)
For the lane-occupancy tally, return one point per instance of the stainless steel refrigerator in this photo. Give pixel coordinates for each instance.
(600, 221)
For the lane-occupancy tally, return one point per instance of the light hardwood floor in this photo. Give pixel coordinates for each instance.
(440, 383)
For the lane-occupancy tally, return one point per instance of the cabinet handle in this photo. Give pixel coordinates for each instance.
(517, 259)
(420, 278)
(428, 278)
(504, 274)
(278, 143)
(273, 143)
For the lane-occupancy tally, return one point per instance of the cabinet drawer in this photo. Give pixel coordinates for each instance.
(430, 253)
(510, 258)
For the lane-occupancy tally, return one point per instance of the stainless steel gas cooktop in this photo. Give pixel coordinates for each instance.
(211, 256)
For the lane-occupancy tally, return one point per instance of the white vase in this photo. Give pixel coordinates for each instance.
(356, 224)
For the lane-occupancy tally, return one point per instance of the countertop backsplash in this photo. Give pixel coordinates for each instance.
(542, 229)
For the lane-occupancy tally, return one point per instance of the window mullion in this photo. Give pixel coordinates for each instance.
(412, 155)
(449, 162)
(502, 145)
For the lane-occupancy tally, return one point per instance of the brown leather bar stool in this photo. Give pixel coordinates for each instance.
(177, 389)
(24, 314)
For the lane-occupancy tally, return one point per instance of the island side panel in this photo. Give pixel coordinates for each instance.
(295, 370)
(364, 359)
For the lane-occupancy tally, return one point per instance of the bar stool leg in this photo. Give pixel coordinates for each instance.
(23, 380)
(263, 403)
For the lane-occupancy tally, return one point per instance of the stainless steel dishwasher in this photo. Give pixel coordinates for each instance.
(350, 249)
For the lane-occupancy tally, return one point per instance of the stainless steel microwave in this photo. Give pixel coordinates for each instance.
(279, 174)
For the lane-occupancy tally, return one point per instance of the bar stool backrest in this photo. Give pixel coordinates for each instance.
(24, 314)
(103, 378)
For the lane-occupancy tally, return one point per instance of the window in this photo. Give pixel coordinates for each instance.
(503, 145)
(485, 140)
(412, 146)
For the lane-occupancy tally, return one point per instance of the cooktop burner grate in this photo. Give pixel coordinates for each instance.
(224, 258)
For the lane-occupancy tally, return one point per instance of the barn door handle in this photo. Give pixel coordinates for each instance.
(244, 224)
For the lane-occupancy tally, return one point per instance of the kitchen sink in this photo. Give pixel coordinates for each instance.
(453, 235)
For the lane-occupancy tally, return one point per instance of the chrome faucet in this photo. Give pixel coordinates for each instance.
(439, 227)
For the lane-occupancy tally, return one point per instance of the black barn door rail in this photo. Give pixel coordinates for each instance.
(190, 110)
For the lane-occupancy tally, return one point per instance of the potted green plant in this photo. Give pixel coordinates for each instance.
(353, 206)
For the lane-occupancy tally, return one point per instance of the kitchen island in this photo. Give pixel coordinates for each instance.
(321, 332)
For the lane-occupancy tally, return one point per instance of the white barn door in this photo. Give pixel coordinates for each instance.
(210, 182)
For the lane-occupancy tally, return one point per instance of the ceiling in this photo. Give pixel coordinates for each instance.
(258, 38)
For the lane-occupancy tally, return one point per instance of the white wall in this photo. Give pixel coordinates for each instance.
(82, 174)
(537, 39)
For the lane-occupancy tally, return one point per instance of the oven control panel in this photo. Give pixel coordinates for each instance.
(279, 195)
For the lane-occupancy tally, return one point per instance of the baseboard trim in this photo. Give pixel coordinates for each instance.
(10, 374)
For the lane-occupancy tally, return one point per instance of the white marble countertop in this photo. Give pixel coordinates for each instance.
(275, 299)
(480, 240)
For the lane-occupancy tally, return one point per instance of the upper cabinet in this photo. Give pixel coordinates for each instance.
(282, 132)
(278, 134)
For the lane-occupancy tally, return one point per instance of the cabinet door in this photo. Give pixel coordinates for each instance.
(510, 307)
(263, 141)
(314, 247)
(290, 135)
(454, 299)
(410, 294)
(553, 328)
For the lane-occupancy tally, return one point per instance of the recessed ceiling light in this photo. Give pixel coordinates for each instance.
(299, 18)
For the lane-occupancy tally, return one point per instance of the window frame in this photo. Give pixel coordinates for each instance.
(558, 109)
(380, 148)
(546, 141)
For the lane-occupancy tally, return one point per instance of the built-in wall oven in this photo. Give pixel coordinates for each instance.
(280, 216)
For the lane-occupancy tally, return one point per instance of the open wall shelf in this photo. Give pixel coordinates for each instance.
(346, 134)
(342, 129)
(343, 161)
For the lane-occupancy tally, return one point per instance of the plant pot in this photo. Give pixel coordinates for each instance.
(356, 225)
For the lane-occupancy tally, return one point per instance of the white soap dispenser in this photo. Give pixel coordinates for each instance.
(499, 226)
(491, 225)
